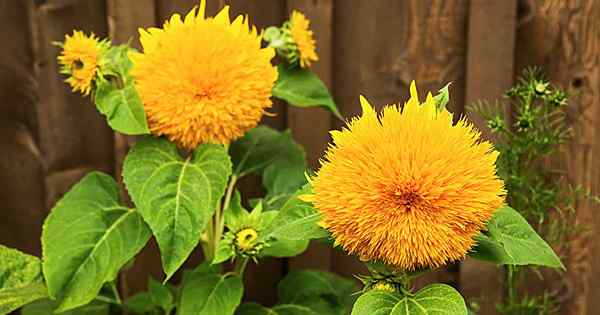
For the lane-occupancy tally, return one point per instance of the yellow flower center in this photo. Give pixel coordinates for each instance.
(246, 238)
(384, 286)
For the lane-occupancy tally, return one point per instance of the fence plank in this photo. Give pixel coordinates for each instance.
(382, 45)
(21, 168)
(489, 72)
(310, 127)
(562, 37)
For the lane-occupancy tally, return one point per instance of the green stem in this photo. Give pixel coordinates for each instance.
(511, 283)
(240, 266)
(219, 219)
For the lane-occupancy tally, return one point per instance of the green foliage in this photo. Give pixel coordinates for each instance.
(276, 156)
(47, 306)
(433, 299)
(297, 220)
(324, 293)
(15, 297)
(283, 309)
(510, 240)
(528, 141)
(116, 97)
(206, 292)
(87, 238)
(176, 196)
(161, 296)
(21, 279)
(302, 88)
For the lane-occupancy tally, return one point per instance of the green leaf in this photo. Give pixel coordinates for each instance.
(21, 280)
(443, 97)
(511, 240)
(117, 97)
(302, 88)
(13, 298)
(225, 250)
(283, 309)
(324, 292)
(437, 298)
(235, 214)
(177, 197)
(206, 292)
(46, 306)
(297, 220)
(285, 248)
(161, 295)
(18, 269)
(86, 240)
(140, 303)
(275, 155)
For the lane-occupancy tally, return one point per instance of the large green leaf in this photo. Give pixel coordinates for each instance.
(439, 299)
(117, 97)
(206, 292)
(297, 220)
(511, 240)
(86, 240)
(15, 297)
(302, 88)
(275, 155)
(47, 307)
(176, 196)
(323, 292)
(21, 280)
(283, 309)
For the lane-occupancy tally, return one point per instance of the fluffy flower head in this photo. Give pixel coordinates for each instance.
(303, 38)
(80, 59)
(203, 79)
(407, 187)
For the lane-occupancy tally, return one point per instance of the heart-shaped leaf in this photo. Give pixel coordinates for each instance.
(87, 238)
(176, 196)
(439, 299)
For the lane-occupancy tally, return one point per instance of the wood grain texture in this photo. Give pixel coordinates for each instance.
(310, 127)
(380, 46)
(489, 73)
(21, 166)
(562, 37)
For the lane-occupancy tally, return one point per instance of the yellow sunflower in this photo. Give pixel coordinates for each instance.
(303, 38)
(80, 60)
(203, 79)
(407, 187)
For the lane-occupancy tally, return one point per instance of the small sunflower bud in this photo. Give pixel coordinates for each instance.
(245, 239)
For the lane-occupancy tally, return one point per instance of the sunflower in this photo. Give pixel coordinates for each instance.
(303, 38)
(407, 187)
(203, 80)
(80, 60)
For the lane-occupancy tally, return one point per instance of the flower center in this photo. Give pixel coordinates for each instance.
(245, 238)
(407, 197)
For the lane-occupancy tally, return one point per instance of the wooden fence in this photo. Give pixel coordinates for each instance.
(50, 137)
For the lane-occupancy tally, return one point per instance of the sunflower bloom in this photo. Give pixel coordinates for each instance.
(203, 79)
(80, 60)
(303, 38)
(407, 187)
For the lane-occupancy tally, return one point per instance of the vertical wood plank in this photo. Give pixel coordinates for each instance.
(563, 38)
(381, 46)
(21, 168)
(310, 127)
(489, 72)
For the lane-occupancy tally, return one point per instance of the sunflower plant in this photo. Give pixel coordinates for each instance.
(405, 190)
